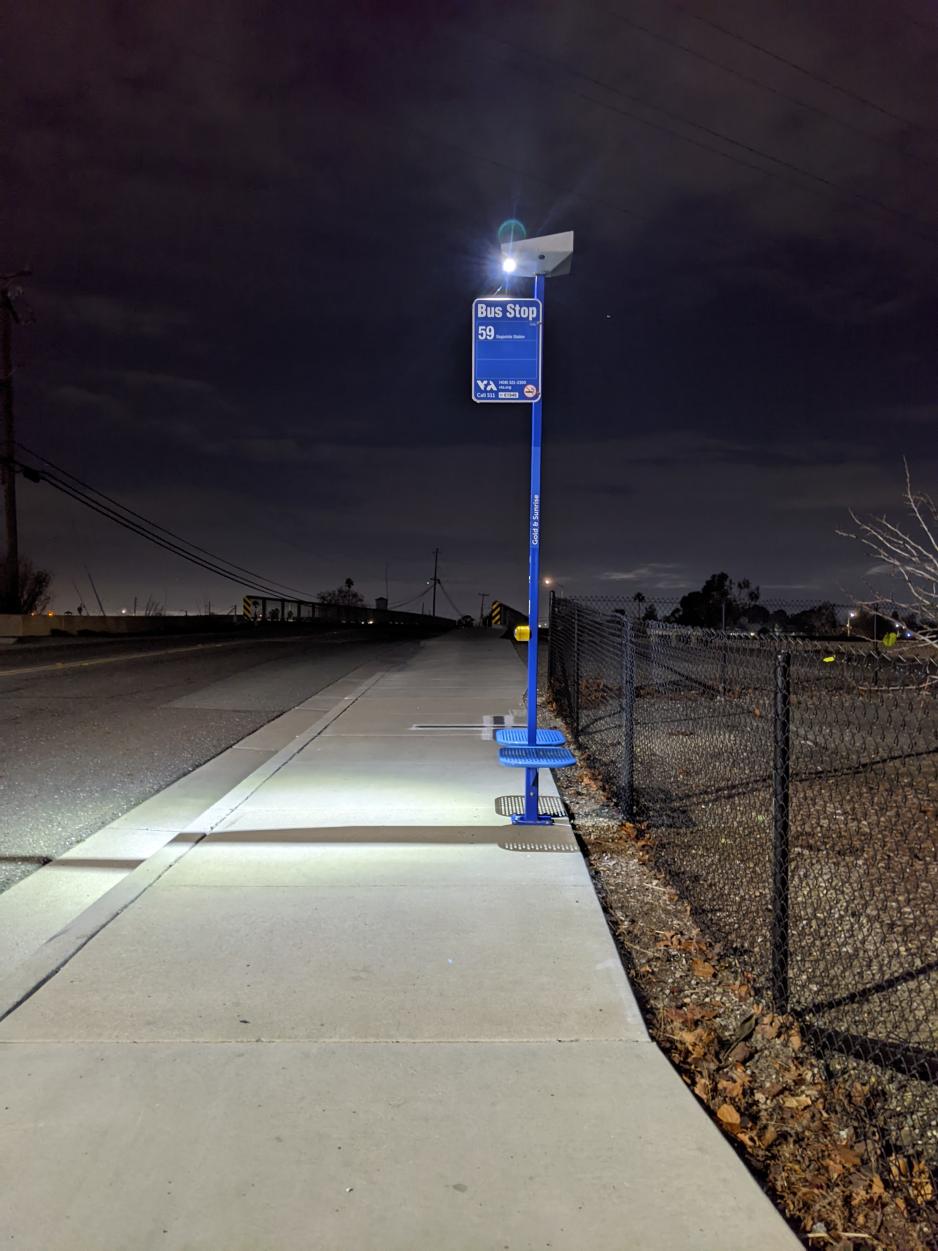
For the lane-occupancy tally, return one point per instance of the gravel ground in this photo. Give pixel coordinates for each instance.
(82, 743)
(804, 1129)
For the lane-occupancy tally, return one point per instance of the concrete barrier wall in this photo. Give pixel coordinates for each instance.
(13, 625)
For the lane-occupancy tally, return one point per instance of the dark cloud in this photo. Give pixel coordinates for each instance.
(256, 231)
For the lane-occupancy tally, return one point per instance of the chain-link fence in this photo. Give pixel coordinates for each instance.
(790, 787)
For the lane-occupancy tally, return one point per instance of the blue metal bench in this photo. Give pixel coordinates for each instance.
(517, 736)
(535, 757)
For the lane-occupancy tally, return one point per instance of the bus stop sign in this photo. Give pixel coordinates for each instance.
(506, 349)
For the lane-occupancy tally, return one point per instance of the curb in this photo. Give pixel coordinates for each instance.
(34, 972)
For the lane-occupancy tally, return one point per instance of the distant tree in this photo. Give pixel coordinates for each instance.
(819, 621)
(755, 615)
(719, 602)
(152, 608)
(346, 595)
(639, 599)
(910, 553)
(650, 613)
(35, 588)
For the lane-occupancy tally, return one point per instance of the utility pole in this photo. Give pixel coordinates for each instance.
(10, 588)
(483, 596)
(95, 589)
(436, 562)
(81, 599)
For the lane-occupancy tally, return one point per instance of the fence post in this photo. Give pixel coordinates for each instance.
(627, 798)
(576, 672)
(781, 799)
(551, 644)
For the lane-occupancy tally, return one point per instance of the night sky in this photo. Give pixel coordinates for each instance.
(256, 230)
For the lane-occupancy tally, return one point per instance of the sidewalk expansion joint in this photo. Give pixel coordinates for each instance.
(29, 977)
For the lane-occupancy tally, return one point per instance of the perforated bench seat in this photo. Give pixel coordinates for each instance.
(535, 757)
(517, 736)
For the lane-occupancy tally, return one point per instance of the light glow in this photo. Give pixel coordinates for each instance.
(509, 264)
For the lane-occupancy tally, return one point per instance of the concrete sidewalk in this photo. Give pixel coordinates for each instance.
(352, 1009)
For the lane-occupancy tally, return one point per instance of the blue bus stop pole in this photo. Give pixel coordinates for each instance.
(531, 793)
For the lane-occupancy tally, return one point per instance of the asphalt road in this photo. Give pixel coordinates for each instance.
(88, 733)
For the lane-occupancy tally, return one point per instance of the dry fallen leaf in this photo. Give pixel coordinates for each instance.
(743, 1032)
(677, 1014)
(921, 1185)
(690, 1038)
(769, 1027)
(701, 1012)
(847, 1156)
(728, 1115)
(796, 1101)
(859, 1092)
(702, 969)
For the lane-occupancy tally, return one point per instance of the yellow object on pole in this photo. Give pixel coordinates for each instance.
(522, 633)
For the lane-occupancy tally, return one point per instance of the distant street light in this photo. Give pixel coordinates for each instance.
(509, 264)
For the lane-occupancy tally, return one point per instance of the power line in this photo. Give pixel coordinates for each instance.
(404, 602)
(147, 521)
(450, 600)
(153, 538)
(916, 21)
(784, 60)
(888, 144)
(256, 582)
(506, 166)
(828, 184)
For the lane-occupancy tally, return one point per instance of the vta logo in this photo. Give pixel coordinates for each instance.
(486, 384)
